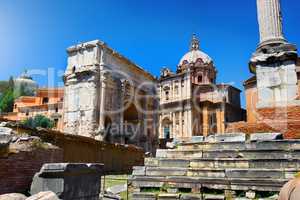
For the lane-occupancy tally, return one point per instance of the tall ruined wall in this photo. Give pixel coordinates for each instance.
(82, 89)
(117, 159)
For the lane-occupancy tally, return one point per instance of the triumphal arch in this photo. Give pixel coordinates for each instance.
(108, 97)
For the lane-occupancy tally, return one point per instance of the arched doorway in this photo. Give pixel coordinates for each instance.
(131, 127)
(167, 128)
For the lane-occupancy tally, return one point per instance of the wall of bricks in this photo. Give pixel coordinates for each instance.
(117, 158)
(285, 120)
(18, 169)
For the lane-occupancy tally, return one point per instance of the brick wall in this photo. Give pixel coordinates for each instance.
(117, 158)
(18, 169)
(284, 120)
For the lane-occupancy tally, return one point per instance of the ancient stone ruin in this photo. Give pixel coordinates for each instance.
(219, 167)
(69, 180)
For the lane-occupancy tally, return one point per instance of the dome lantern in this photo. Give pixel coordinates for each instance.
(194, 55)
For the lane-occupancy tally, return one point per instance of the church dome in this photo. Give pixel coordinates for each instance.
(195, 55)
(25, 86)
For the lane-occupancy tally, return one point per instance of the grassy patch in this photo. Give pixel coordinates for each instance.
(114, 180)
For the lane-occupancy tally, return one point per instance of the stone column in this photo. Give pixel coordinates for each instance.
(219, 120)
(274, 61)
(122, 104)
(180, 125)
(173, 134)
(205, 121)
(161, 135)
(103, 85)
(190, 121)
(270, 22)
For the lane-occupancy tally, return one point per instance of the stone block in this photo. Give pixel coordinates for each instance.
(213, 197)
(110, 197)
(69, 181)
(139, 171)
(210, 173)
(117, 189)
(265, 136)
(47, 195)
(172, 190)
(147, 184)
(143, 196)
(197, 139)
(202, 164)
(174, 163)
(3, 124)
(228, 137)
(5, 131)
(151, 162)
(161, 153)
(225, 146)
(250, 194)
(13, 196)
(179, 154)
(170, 145)
(5, 139)
(231, 163)
(191, 197)
(165, 171)
(254, 173)
(221, 163)
(168, 196)
(274, 164)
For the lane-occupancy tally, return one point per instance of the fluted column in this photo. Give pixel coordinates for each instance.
(270, 21)
(103, 83)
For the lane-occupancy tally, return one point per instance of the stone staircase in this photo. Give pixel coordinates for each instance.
(217, 169)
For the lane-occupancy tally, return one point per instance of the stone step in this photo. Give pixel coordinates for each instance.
(168, 196)
(242, 184)
(174, 153)
(242, 173)
(213, 197)
(261, 145)
(143, 196)
(249, 154)
(223, 163)
(153, 196)
(252, 154)
(215, 172)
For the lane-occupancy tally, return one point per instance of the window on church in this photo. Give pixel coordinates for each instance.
(200, 79)
(45, 100)
(176, 90)
(177, 117)
(167, 95)
(73, 69)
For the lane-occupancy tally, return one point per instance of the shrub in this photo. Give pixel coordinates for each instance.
(39, 121)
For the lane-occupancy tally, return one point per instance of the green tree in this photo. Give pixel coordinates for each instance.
(7, 97)
(7, 101)
(39, 121)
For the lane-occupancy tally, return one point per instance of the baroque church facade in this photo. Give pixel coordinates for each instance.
(108, 97)
(191, 103)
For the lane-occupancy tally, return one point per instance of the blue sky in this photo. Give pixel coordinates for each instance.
(34, 34)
